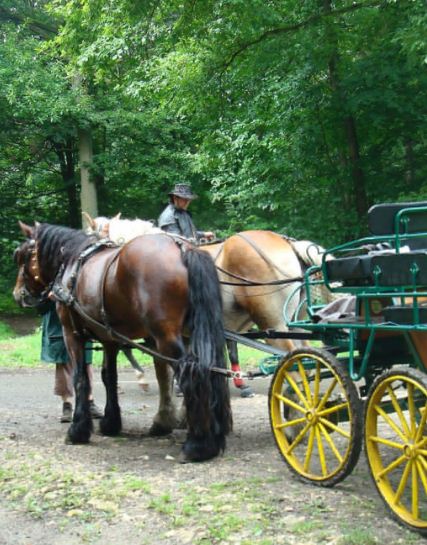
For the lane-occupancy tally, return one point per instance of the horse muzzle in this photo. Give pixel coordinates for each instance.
(24, 298)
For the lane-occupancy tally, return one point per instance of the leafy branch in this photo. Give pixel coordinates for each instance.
(297, 26)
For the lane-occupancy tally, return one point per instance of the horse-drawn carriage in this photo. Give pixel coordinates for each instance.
(368, 383)
(365, 378)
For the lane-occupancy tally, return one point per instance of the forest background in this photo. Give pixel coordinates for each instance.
(290, 115)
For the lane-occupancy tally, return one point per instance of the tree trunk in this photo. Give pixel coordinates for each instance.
(65, 153)
(350, 130)
(358, 177)
(88, 196)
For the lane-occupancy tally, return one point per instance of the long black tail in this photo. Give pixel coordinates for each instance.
(205, 392)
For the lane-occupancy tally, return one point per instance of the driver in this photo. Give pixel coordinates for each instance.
(176, 218)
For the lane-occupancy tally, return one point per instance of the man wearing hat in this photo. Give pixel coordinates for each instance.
(176, 219)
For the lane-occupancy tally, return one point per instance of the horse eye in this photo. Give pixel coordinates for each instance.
(16, 255)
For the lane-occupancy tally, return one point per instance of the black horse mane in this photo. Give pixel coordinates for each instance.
(59, 245)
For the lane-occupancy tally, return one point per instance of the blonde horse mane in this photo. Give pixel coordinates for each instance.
(120, 230)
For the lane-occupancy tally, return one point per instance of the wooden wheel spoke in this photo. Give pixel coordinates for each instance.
(334, 427)
(422, 474)
(415, 495)
(298, 438)
(412, 409)
(422, 424)
(296, 389)
(321, 450)
(390, 422)
(289, 423)
(398, 411)
(309, 449)
(306, 386)
(334, 409)
(396, 463)
(327, 394)
(316, 386)
(423, 461)
(402, 483)
(331, 443)
(291, 403)
(387, 442)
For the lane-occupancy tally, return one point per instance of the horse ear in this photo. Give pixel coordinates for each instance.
(90, 221)
(26, 229)
(117, 217)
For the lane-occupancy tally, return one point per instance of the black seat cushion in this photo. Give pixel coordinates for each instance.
(396, 269)
(354, 270)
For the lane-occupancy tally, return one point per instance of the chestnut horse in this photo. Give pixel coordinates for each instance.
(151, 288)
(259, 271)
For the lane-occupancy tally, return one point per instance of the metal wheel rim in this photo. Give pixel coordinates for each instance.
(319, 425)
(411, 448)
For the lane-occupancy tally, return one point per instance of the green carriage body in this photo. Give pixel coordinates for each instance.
(369, 380)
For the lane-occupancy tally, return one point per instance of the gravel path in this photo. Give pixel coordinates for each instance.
(132, 489)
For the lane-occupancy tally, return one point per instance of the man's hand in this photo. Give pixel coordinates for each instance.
(209, 235)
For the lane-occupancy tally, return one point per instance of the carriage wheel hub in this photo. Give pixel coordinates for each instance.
(410, 450)
(311, 416)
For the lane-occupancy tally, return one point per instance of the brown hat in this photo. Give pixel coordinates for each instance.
(183, 191)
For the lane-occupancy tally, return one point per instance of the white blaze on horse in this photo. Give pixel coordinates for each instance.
(258, 272)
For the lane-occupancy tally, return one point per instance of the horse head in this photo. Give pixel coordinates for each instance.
(99, 226)
(29, 286)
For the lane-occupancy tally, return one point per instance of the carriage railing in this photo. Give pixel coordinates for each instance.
(406, 312)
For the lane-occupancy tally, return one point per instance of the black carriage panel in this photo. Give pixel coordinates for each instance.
(396, 270)
(378, 269)
(381, 218)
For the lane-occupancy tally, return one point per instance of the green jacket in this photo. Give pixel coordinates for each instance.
(53, 345)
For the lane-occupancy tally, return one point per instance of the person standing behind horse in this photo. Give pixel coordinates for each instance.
(53, 350)
(177, 220)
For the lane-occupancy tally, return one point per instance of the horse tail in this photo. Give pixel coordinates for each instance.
(206, 392)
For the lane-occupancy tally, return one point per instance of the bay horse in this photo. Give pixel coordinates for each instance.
(258, 271)
(150, 288)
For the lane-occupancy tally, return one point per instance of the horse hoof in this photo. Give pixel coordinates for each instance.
(183, 458)
(110, 429)
(73, 438)
(158, 430)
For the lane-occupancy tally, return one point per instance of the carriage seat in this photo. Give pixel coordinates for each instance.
(404, 314)
(379, 268)
(381, 218)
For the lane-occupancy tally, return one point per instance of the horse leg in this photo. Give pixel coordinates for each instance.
(139, 371)
(81, 427)
(111, 423)
(233, 355)
(166, 418)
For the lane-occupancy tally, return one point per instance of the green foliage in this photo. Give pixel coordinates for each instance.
(283, 115)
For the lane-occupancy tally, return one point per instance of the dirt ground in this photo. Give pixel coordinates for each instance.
(133, 490)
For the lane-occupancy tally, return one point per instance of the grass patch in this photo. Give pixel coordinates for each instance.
(42, 487)
(6, 332)
(24, 352)
(358, 536)
(20, 351)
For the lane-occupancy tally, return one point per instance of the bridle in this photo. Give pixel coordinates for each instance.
(31, 273)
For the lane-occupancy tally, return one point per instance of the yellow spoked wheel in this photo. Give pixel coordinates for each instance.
(315, 416)
(396, 443)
